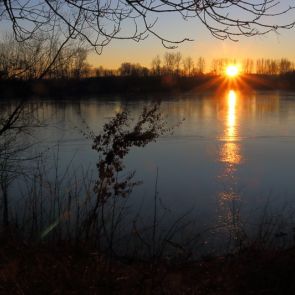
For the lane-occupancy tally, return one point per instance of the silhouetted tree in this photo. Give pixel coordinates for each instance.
(80, 66)
(273, 66)
(172, 62)
(260, 68)
(201, 65)
(129, 69)
(188, 66)
(285, 66)
(177, 58)
(248, 66)
(156, 66)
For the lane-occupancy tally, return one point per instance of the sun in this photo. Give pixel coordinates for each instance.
(232, 71)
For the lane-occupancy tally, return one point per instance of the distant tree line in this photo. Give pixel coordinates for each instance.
(262, 66)
(174, 64)
(171, 64)
(274, 66)
(33, 59)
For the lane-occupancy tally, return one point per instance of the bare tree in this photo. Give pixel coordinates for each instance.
(274, 66)
(172, 62)
(80, 66)
(285, 66)
(130, 69)
(188, 65)
(156, 65)
(260, 68)
(201, 65)
(248, 66)
(169, 65)
(177, 58)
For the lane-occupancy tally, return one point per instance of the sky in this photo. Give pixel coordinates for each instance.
(272, 45)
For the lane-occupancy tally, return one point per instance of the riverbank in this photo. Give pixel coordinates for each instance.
(57, 88)
(65, 269)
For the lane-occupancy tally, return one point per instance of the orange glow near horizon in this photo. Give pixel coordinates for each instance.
(232, 71)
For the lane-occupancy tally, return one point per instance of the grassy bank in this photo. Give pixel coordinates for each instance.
(65, 269)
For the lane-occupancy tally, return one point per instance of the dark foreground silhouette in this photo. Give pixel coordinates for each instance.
(65, 269)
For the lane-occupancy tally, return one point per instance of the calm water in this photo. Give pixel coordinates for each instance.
(232, 149)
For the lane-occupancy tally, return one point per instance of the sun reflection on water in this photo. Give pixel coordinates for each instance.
(231, 116)
(230, 151)
(231, 157)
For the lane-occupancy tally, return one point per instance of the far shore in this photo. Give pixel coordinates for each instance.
(56, 88)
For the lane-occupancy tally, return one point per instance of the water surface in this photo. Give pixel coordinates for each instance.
(232, 149)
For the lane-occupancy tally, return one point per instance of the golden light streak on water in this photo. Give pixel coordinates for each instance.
(230, 155)
(230, 151)
(231, 114)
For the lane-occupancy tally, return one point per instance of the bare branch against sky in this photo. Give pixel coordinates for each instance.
(99, 21)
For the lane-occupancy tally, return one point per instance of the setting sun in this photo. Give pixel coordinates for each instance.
(232, 71)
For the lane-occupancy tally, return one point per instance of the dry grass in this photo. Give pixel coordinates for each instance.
(64, 269)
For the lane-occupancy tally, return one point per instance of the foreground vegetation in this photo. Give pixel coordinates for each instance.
(65, 269)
